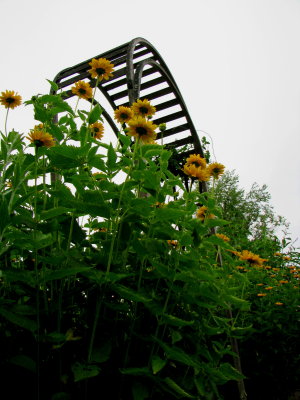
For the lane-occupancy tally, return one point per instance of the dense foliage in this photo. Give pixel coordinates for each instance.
(114, 285)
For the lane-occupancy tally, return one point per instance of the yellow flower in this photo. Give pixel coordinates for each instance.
(10, 99)
(259, 284)
(101, 69)
(197, 160)
(202, 213)
(199, 173)
(278, 303)
(216, 170)
(252, 258)
(123, 114)
(283, 281)
(143, 108)
(223, 237)
(40, 138)
(142, 129)
(97, 130)
(83, 90)
(261, 294)
(269, 288)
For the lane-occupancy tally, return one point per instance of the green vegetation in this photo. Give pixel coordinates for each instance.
(120, 288)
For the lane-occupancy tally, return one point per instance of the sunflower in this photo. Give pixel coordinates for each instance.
(142, 129)
(123, 114)
(83, 90)
(40, 138)
(252, 258)
(196, 160)
(200, 173)
(10, 99)
(202, 213)
(143, 108)
(101, 69)
(223, 237)
(216, 170)
(97, 130)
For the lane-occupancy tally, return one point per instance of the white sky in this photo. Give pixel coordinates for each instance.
(236, 62)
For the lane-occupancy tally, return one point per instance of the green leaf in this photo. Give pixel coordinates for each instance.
(177, 354)
(136, 371)
(130, 294)
(176, 337)
(168, 213)
(175, 321)
(102, 353)
(5, 218)
(54, 85)
(94, 115)
(84, 371)
(173, 385)
(215, 222)
(243, 305)
(230, 373)
(40, 241)
(40, 113)
(56, 132)
(64, 156)
(139, 392)
(111, 158)
(54, 212)
(27, 277)
(22, 321)
(97, 162)
(24, 361)
(157, 364)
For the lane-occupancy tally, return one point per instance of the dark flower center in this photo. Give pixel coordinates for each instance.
(100, 71)
(96, 129)
(143, 110)
(196, 164)
(38, 143)
(124, 116)
(141, 131)
(10, 100)
(82, 91)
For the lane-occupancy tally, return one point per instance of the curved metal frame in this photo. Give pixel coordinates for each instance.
(128, 84)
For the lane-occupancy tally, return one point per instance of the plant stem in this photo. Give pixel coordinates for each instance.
(5, 130)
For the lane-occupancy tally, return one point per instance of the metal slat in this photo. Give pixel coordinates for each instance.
(159, 93)
(172, 131)
(170, 117)
(167, 104)
(181, 142)
(152, 83)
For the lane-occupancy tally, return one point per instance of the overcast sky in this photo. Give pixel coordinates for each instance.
(236, 62)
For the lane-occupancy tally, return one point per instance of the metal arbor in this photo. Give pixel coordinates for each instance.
(140, 73)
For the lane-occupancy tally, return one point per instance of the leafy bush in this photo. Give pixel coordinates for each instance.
(113, 281)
